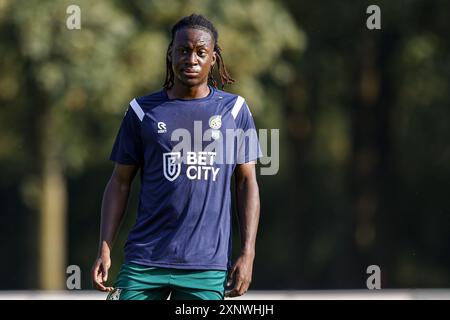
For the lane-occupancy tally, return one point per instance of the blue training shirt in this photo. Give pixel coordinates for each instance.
(182, 148)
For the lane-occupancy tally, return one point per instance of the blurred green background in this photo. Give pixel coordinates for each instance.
(364, 133)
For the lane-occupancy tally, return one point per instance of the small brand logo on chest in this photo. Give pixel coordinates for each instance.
(162, 127)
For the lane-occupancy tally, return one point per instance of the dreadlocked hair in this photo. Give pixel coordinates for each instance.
(198, 21)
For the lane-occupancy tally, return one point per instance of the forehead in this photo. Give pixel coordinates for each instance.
(192, 37)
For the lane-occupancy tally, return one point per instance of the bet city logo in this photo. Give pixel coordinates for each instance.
(200, 165)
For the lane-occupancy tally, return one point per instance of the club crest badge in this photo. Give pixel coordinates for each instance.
(114, 295)
(215, 122)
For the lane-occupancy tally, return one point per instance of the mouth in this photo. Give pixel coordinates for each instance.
(191, 71)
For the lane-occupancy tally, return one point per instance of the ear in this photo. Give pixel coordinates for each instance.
(214, 58)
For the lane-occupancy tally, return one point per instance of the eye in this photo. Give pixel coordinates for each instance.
(202, 53)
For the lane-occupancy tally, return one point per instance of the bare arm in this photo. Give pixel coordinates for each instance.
(114, 203)
(248, 205)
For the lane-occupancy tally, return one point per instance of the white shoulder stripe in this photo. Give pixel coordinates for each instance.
(237, 106)
(137, 109)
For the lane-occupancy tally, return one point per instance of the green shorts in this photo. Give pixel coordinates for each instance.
(137, 282)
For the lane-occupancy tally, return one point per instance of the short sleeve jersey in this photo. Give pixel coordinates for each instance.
(186, 151)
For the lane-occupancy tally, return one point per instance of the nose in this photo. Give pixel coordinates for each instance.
(192, 58)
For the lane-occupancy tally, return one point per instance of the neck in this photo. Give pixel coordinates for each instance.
(180, 91)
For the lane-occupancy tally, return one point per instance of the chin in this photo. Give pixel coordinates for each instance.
(192, 82)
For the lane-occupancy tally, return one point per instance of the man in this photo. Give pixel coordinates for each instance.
(181, 242)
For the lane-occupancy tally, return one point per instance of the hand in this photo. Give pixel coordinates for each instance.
(240, 276)
(99, 273)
